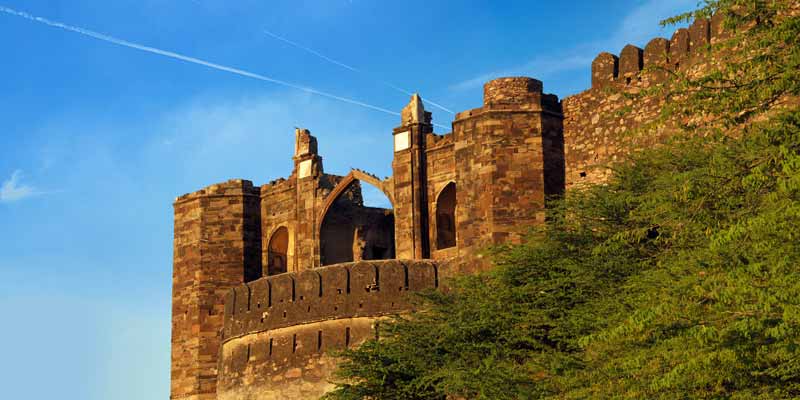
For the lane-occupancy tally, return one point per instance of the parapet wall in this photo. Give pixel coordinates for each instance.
(360, 289)
(279, 330)
(598, 122)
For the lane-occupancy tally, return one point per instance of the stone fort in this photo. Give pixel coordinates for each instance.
(267, 280)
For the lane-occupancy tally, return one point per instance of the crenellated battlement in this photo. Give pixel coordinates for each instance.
(599, 122)
(348, 290)
(686, 46)
(268, 280)
(279, 330)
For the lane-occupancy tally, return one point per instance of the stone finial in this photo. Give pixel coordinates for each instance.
(414, 112)
(304, 143)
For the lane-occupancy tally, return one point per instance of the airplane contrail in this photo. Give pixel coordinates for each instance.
(351, 68)
(192, 60)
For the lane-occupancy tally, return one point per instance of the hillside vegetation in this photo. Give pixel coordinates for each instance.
(679, 278)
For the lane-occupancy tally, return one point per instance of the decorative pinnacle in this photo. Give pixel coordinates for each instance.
(414, 112)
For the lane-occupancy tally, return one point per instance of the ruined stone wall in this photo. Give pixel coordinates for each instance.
(374, 235)
(311, 194)
(504, 158)
(278, 330)
(278, 208)
(410, 195)
(600, 123)
(217, 244)
(295, 204)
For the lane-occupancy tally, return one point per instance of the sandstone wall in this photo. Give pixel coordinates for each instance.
(278, 330)
(295, 203)
(278, 209)
(409, 178)
(500, 161)
(216, 246)
(505, 158)
(600, 123)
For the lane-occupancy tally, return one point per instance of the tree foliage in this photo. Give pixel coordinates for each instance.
(679, 278)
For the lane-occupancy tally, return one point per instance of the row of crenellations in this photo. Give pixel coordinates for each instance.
(358, 289)
(280, 350)
(671, 54)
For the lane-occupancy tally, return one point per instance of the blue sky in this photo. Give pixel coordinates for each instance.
(97, 139)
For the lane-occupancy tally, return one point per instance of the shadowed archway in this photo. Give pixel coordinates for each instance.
(446, 217)
(277, 259)
(351, 230)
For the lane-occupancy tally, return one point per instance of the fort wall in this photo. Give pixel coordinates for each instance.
(279, 330)
(600, 123)
(452, 194)
(255, 313)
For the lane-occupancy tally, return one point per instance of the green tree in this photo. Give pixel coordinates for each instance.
(679, 278)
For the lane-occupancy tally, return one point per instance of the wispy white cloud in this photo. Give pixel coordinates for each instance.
(638, 26)
(188, 59)
(13, 190)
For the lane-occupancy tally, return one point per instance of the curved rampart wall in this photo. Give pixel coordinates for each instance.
(279, 330)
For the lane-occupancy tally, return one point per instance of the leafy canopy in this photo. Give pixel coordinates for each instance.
(679, 278)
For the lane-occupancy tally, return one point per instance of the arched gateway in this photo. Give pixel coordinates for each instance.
(349, 229)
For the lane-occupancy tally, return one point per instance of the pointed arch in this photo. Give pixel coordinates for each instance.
(350, 231)
(344, 184)
(277, 251)
(446, 217)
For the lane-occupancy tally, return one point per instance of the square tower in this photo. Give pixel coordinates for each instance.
(508, 160)
(217, 246)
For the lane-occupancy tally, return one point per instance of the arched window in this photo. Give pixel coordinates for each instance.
(446, 217)
(276, 254)
(358, 225)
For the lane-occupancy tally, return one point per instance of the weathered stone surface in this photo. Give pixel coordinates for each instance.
(268, 280)
(216, 246)
(600, 123)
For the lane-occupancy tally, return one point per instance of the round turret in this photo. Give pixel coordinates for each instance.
(514, 90)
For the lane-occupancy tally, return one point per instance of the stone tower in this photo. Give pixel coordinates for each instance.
(267, 279)
(217, 246)
(409, 166)
(507, 160)
(335, 267)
